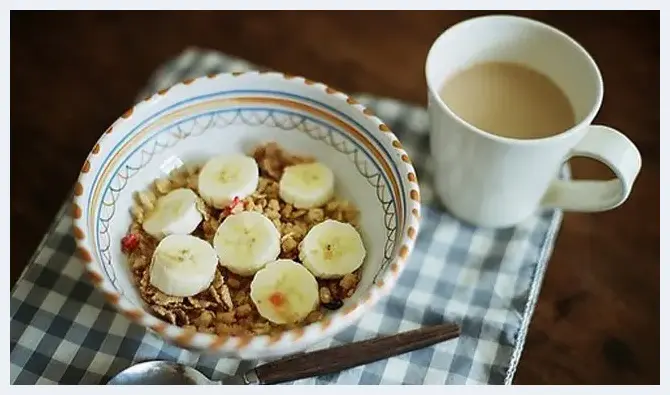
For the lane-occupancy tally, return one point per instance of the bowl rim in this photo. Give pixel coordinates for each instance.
(227, 344)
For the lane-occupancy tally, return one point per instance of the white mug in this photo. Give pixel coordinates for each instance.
(495, 181)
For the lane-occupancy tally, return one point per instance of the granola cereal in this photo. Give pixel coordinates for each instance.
(225, 308)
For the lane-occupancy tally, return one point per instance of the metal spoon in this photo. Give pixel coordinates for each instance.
(317, 363)
(165, 373)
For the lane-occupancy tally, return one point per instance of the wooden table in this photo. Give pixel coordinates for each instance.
(597, 321)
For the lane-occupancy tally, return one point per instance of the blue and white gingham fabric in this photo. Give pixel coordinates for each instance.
(487, 280)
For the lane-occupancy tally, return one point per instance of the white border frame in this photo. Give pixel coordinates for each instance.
(347, 4)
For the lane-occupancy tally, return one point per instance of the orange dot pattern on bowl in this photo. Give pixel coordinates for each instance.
(298, 332)
(404, 251)
(111, 298)
(76, 211)
(96, 149)
(159, 327)
(78, 189)
(84, 255)
(325, 322)
(94, 277)
(411, 177)
(218, 342)
(274, 338)
(414, 195)
(411, 233)
(128, 113)
(244, 341)
(349, 309)
(184, 339)
(384, 128)
(134, 315)
(86, 167)
(77, 232)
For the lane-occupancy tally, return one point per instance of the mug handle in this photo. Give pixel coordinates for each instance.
(611, 148)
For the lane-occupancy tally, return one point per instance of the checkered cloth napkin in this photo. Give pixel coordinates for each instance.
(487, 280)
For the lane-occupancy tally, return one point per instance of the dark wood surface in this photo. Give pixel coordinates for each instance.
(597, 320)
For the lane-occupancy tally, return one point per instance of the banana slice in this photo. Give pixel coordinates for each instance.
(246, 241)
(332, 249)
(183, 265)
(284, 292)
(175, 213)
(225, 177)
(307, 185)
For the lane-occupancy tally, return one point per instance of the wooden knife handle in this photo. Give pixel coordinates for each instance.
(336, 359)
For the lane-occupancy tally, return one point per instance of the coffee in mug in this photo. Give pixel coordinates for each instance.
(508, 99)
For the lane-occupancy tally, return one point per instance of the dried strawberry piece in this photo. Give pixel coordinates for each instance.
(277, 299)
(235, 202)
(231, 206)
(129, 242)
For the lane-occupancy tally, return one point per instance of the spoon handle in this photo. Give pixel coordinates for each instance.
(336, 359)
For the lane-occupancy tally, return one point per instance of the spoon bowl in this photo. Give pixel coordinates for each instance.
(160, 373)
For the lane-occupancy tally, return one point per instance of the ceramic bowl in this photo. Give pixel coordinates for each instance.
(227, 113)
